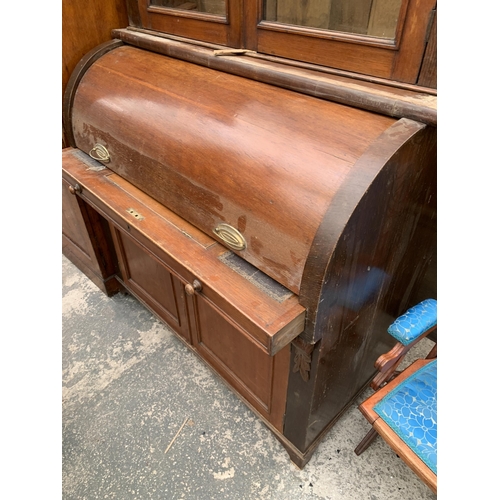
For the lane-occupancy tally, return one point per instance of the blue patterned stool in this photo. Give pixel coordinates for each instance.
(404, 410)
(414, 322)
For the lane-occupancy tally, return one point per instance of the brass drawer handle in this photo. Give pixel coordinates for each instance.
(230, 236)
(192, 289)
(100, 153)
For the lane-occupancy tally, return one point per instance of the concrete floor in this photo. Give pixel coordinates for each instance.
(128, 387)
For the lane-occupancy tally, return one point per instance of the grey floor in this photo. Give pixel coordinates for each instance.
(129, 385)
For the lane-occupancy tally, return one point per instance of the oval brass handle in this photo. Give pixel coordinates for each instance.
(75, 189)
(230, 236)
(100, 153)
(192, 289)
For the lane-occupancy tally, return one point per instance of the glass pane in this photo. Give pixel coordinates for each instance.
(367, 17)
(217, 7)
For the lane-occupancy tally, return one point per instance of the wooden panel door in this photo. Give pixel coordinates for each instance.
(260, 378)
(152, 282)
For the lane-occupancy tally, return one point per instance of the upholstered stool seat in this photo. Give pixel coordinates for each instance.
(414, 322)
(410, 410)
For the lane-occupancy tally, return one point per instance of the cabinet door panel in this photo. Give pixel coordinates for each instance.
(260, 378)
(152, 282)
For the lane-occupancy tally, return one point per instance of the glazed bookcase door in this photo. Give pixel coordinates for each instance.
(213, 7)
(386, 39)
(372, 18)
(215, 21)
(380, 38)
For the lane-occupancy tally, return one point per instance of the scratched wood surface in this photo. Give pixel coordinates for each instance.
(217, 148)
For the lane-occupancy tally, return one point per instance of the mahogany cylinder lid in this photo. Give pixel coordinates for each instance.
(253, 165)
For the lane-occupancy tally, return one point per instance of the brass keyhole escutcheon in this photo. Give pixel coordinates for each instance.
(230, 236)
(100, 153)
(192, 289)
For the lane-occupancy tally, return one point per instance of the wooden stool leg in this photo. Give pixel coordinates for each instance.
(366, 441)
(434, 352)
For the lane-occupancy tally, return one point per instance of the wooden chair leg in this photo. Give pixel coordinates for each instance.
(366, 441)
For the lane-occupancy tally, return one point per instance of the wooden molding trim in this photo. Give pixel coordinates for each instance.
(382, 99)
